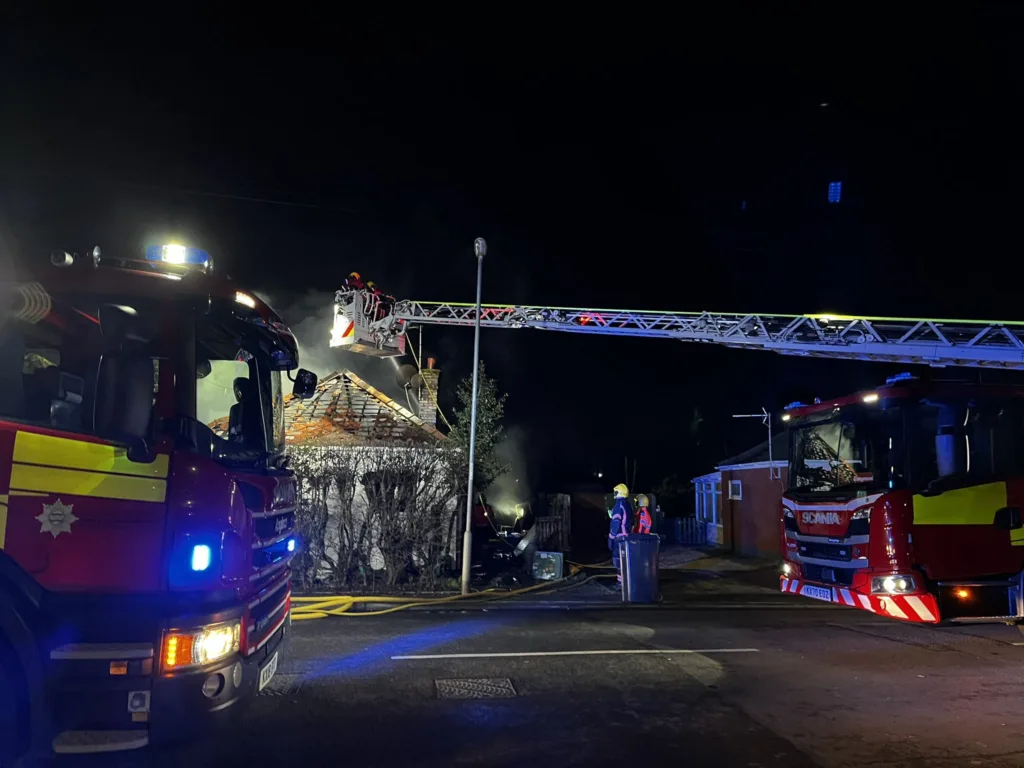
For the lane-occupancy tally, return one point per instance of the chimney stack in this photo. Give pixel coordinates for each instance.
(428, 392)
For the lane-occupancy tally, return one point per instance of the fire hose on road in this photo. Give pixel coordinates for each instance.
(322, 606)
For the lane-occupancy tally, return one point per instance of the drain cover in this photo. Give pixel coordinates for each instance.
(283, 685)
(480, 688)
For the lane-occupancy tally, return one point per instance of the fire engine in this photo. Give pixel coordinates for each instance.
(905, 501)
(146, 507)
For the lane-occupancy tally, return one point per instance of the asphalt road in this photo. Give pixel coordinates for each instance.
(765, 680)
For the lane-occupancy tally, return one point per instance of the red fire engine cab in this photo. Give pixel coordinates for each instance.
(146, 506)
(907, 501)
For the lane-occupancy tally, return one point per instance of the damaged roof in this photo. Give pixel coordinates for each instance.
(346, 410)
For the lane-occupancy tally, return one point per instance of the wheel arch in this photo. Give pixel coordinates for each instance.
(21, 654)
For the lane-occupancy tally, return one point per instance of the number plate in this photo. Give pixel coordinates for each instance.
(818, 593)
(267, 673)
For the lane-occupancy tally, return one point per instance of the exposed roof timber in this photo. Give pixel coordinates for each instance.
(346, 409)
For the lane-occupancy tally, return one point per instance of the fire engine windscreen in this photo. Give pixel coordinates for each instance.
(239, 394)
(847, 451)
(241, 401)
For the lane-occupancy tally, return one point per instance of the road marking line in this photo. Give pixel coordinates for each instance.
(639, 651)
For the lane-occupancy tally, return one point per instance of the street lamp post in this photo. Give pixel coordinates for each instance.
(480, 250)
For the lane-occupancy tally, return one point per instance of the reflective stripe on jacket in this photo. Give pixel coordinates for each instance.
(643, 521)
(622, 518)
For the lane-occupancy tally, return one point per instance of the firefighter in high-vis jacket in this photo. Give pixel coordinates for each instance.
(643, 515)
(621, 524)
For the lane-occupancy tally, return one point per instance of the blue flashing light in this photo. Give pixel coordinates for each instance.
(201, 557)
(291, 545)
(900, 377)
(835, 191)
(179, 255)
(795, 404)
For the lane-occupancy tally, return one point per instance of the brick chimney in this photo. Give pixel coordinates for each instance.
(428, 391)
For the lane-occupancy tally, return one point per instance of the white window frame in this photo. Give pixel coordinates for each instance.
(736, 490)
(707, 495)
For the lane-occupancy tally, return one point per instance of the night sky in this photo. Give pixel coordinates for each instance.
(605, 161)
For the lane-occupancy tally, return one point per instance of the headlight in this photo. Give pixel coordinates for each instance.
(862, 514)
(198, 647)
(787, 569)
(896, 584)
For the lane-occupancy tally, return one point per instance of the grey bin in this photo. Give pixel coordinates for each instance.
(638, 554)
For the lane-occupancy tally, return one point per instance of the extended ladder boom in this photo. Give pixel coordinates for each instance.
(379, 329)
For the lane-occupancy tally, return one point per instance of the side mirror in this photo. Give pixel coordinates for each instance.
(304, 384)
(1008, 519)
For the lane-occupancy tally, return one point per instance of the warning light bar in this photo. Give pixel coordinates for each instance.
(179, 255)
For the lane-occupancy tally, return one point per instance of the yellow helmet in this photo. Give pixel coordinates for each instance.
(642, 500)
(621, 491)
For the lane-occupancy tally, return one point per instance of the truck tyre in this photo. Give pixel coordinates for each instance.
(13, 714)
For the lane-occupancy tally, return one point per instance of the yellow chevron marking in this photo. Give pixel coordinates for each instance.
(75, 483)
(31, 448)
(3, 523)
(976, 505)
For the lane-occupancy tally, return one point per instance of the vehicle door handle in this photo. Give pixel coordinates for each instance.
(1008, 519)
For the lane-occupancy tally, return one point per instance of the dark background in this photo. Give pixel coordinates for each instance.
(606, 161)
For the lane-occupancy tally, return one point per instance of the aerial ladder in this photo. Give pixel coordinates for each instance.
(366, 324)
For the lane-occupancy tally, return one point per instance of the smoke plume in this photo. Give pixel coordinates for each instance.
(310, 318)
(514, 486)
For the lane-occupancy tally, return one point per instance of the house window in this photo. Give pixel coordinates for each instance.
(835, 191)
(736, 490)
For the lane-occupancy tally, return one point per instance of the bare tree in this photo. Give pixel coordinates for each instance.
(320, 469)
(387, 506)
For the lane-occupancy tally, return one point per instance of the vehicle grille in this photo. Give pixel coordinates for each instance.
(270, 538)
(824, 551)
(266, 612)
